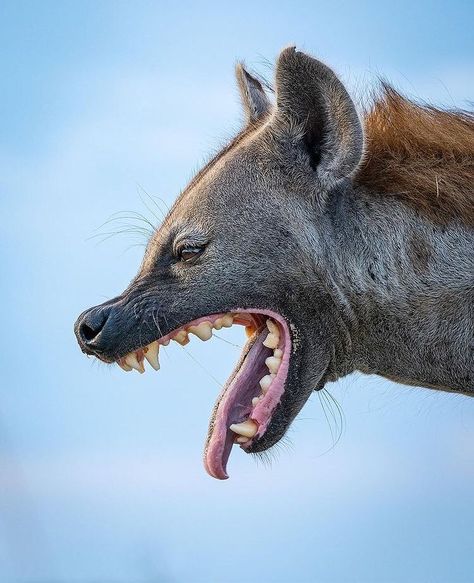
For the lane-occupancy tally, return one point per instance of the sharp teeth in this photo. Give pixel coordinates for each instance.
(247, 428)
(151, 354)
(202, 330)
(165, 342)
(272, 327)
(265, 383)
(181, 337)
(273, 364)
(273, 338)
(271, 341)
(132, 360)
(242, 439)
(278, 353)
(255, 401)
(218, 324)
(124, 366)
(227, 320)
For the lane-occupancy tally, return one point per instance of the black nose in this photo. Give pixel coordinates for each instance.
(89, 326)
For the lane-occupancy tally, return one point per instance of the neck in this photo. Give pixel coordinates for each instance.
(410, 285)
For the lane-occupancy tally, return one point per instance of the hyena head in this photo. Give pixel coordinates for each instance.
(243, 245)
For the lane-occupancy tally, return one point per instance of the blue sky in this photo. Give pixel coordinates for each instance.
(101, 479)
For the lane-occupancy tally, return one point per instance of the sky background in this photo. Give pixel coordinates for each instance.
(101, 478)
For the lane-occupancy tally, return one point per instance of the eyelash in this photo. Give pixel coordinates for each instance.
(192, 251)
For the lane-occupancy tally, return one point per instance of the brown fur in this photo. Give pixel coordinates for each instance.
(422, 155)
(418, 153)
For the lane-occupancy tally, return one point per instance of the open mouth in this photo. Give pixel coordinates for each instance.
(248, 400)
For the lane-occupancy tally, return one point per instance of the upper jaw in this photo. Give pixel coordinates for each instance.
(201, 327)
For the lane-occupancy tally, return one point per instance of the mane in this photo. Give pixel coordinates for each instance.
(421, 155)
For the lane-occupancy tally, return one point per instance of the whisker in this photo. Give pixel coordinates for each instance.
(131, 230)
(267, 457)
(140, 190)
(126, 216)
(339, 419)
(328, 401)
(133, 245)
(203, 367)
(323, 406)
(228, 341)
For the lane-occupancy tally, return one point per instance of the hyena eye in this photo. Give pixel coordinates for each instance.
(190, 252)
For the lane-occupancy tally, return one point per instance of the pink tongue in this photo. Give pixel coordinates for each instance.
(233, 406)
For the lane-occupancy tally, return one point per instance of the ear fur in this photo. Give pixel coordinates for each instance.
(254, 99)
(310, 96)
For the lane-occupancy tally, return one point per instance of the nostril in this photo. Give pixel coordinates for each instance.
(91, 326)
(88, 333)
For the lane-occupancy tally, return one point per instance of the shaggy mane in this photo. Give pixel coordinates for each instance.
(421, 155)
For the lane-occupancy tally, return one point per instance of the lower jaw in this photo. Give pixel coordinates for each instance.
(245, 407)
(235, 406)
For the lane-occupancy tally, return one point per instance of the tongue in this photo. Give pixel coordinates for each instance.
(233, 406)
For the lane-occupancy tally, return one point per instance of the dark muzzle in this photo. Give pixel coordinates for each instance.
(91, 329)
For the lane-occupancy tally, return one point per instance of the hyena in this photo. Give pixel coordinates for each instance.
(340, 242)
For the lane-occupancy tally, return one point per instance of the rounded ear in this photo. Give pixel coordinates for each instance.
(310, 96)
(254, 99)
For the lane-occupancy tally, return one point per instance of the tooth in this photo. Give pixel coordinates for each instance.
(278, 353)
(202, 330)
(265, 383)
(165, 342)
(227, 320)
(272, 327)
(181, 337)
(273, 364)
(242, 439)
(151, 354)
(271, 341)
(124, 366)
(132, 360)
(247, 428)
(218, 324)
(255, 401)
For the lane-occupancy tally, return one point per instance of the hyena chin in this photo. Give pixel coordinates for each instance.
(333, 258)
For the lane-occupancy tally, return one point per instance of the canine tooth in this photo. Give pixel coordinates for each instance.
(247, 428)
(132, 360)
(151, 354)
(271, 341)
(242, 439)
(272, 327)
(124, 366)
(273, 364)
(278, 353)
(202, 330)
(181, 337)
(265, 383)
(227, 320)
